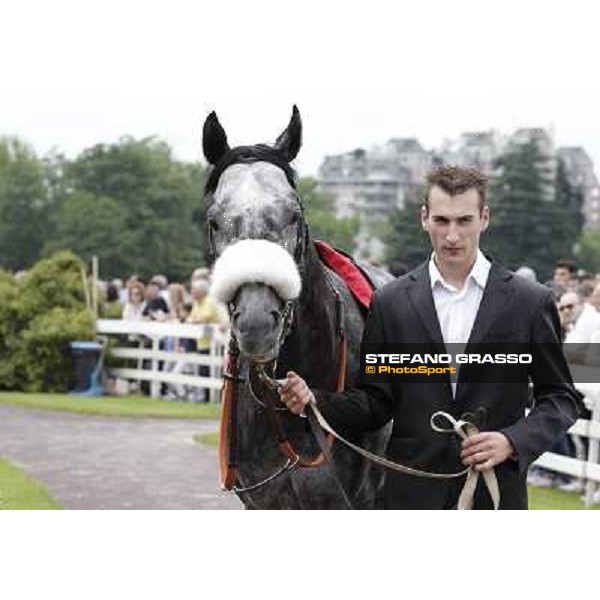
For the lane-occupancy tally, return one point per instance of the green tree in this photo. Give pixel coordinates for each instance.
(23, 205)
(528, 214)
(322, 220)
(569, 199)
(405, 240)
(133, 206)
(588, 250)
(94, 225)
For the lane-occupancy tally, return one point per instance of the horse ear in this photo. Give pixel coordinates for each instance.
(214, 140)
(289, 142)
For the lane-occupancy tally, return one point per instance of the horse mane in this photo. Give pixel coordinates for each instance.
(247, 155)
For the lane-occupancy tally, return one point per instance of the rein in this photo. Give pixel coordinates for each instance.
(228, 450)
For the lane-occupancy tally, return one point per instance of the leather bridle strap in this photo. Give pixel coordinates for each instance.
(228, 462)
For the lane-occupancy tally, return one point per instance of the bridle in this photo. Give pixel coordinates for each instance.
(261, 376)
(263, 390)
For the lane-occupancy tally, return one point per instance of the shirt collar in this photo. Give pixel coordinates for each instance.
(479, 273)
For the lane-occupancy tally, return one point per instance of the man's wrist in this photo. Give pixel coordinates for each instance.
(513, 452)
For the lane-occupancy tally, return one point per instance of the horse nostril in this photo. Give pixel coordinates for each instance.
(276, 316)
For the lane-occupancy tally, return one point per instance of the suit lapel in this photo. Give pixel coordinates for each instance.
(496, 294)
(421, 300)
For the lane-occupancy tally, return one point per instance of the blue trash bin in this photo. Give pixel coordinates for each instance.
(88, 359)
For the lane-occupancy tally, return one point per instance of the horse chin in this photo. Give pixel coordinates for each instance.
(258, 352)
(262, 359)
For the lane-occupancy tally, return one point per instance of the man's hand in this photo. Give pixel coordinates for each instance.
(295, 394)
(486, 450)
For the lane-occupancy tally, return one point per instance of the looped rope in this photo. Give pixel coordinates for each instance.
(465, 429)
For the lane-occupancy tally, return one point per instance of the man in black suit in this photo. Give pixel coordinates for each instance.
(458, 296)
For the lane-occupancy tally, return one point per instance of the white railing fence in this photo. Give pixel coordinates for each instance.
(585, 466)
(182, 369)
(150, 363)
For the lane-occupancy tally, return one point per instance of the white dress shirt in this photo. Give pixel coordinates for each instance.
(457, 308)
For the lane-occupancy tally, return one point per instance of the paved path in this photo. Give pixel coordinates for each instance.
(114, 463)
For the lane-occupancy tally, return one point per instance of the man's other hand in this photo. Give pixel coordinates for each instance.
(485, 450)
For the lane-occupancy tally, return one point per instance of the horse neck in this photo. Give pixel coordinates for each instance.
(312, 345)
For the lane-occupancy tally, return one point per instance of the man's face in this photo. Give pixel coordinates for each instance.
(569, 308)
(454, 224)
(562, 276)
(152, 291)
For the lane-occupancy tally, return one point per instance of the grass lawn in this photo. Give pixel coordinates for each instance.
(208, 439)
(553, 499)
(19, 491)
(113, 406)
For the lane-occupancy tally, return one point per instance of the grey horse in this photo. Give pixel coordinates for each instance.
(284, 308)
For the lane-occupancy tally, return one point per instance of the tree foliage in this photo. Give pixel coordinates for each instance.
(406, 242)
(535, 213)
(133, 206)
(588, 250)
(321, 217)
(23, 205)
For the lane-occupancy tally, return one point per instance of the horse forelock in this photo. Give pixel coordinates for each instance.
(248, 155)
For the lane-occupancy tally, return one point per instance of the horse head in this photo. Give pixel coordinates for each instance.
(256, 233)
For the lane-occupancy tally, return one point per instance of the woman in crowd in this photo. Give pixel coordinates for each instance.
(134, 308)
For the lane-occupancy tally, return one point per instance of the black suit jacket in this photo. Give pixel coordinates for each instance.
(512, 310)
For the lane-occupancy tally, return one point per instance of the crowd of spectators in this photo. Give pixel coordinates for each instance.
(577, 296)
(159, 300)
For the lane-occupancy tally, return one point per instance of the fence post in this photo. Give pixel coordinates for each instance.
(593, 449)
(155, 385)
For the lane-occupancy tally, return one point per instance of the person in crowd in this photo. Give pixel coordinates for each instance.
(134, 308)
(176, 299)
(111, 308)
(584, 315)
(564, 278)
(121, 290)
(156, 307)
(163, 283)
(458, 295)
(569, 309)
(527, 273)
(201, 273)
(181, 345)
(206, 311)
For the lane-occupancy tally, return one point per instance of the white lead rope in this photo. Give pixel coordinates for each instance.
(462, 428)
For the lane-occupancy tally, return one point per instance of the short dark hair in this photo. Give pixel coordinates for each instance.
(586, 288)
(563, 263)
(456, 180)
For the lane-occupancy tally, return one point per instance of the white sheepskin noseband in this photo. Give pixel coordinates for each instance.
(255, 261)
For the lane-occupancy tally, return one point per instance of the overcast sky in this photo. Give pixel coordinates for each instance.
(78, 73)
